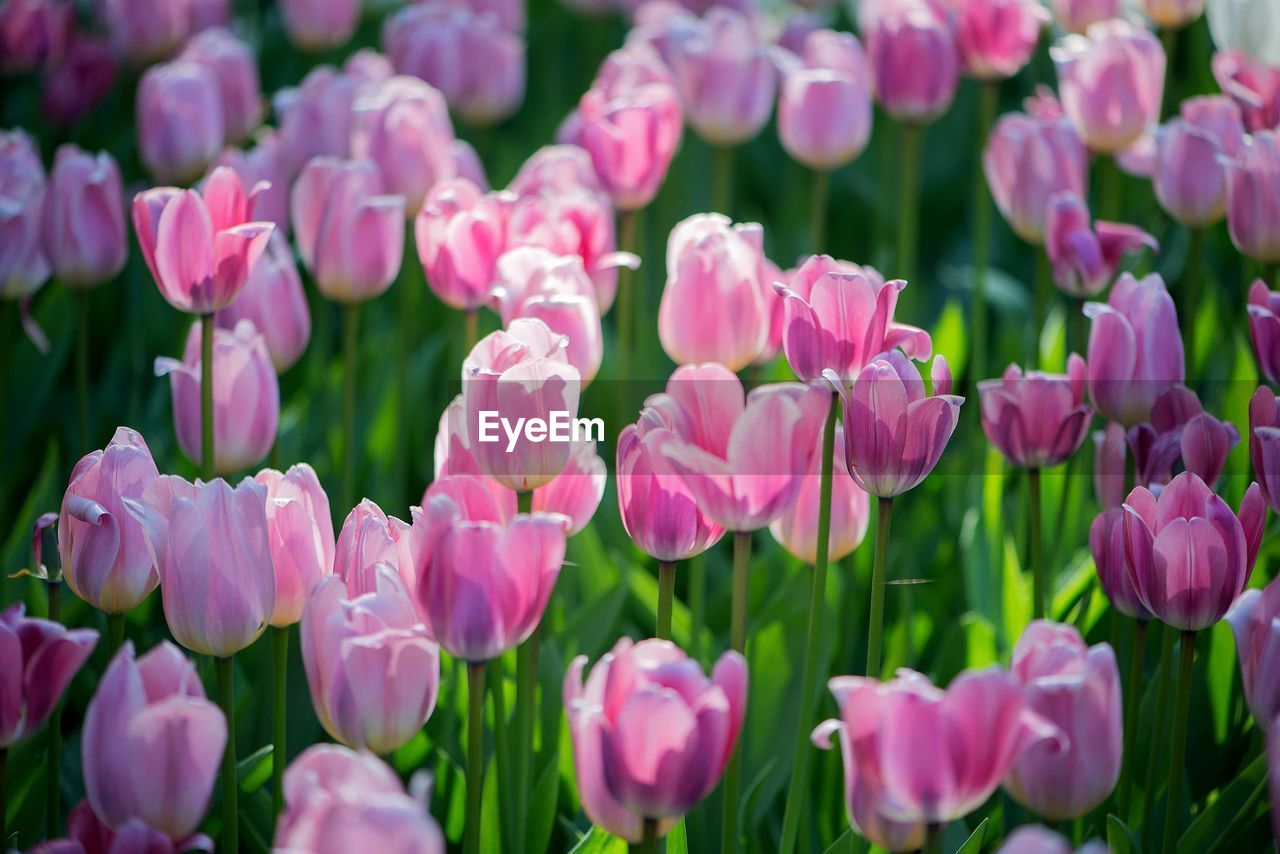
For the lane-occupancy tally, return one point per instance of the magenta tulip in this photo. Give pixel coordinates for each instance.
(105, 559)
(1180, 431)
(824, 102)
(1253, 182)
(180, 123)
(631, 138)
(1036, 420)
(34, 34)
(317, 25)
(796, 530)
(1029, 159)
(1264, 329)
(1253, 85)
(1171, 14)
(40, 658)
(1086, 257)
(997, 37)
(402, 125)
(1190, 179)
(1264, 443)
(368, 538)
(1253, 620)
(274, 301)
(23, 265)
(151, 743)
(147, 30)
(1106, 544)
(1111, 82)
(651, 734)
(460, 233)
(555, 289)
(1076, 16)
(300, 533)
(914, 58)
(235, 68)
(83, 218)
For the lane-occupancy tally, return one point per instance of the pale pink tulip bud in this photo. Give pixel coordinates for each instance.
(301, 536)
(23, 265)
(824, 106)
(79, 82)
(1253, 180)
(34, 33)
(147, 714)
(1029, 159)
(634, 64)
(555, 169)
(1036, 420)
(1264, 443)
(235, 68)
(83, 218)
(40, 659)
(1253, 620)
(274, 301)
(1077, 689)
(460, 233)
(631, 138)
(1076, 16)
(402, 125)
(1112, 81)
(1106, 543)
(368, 538)
(1264, 328)
(1253, 85)
(318, 25)
(1086, 256)
(180, 121)
(105, 559)
(914, 58)
(147, 30)
(997, 37)
(1190, 178)
(796, 530)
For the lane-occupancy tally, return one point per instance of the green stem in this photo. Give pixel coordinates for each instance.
(821, 188)
(722, 180)
(798, 788)
(1178, 754)
(1042, 292)
(502, 750)
(1169, 38)
(1079, 337)
(1163, 674)
(666, 598)
(933, 839)
(280, 663)
(475, 755)
(697, 604)
(627, 225)
(350, 363)
(206, 396)
(738, 641)
(1039, 591)
(875, 626)
(53, 768)
(1110, 189)
(988, 103)
(230, 811)
(82, 366)
(115, 633)
(1191, 280)
(471, 327)
(648, 843)
(1132, 694)
(526, 712)
(908, 201)
(408, 287)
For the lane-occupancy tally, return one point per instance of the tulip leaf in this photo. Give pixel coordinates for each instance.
(950, 337)
(1220, 678)
(1017, 593)
(677, 839)
(598, 841)
(842, 844)
(491, 827)
(542, 807)
(254, 770)
(1120, 839)
(973, 844)
(1234, 804)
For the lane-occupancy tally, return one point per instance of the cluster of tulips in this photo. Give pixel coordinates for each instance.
(363, 184)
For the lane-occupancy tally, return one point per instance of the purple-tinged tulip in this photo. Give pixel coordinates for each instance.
(651, 734)
(246, 397)
(83, 218)
(796, 530)
(1253, 185)
(369, 538)
(631, 137)
(1264, 443)
(301, 537)
(39, 659)
(824, 103)
(1077, 689)
(839, 316)
(1253, 85)
(1180, 430)
(34, 33)
(1038, 839)
(87, 834)
(1036, 420)
(350, 234)
(316, 117)
(460, 233)
(1086, 257)
(274, 301)
(373, 672)
(914, 58)
(23, 266)
(1248, 26)
(152, 743)
(555, 169)
(212, 546)
(1190, 178)
(1109, 484)
(636, 63)
(1264, 329)
(317, 25)
(895, 433)
(264, 168)
(1111, 82)
(1253, 618)
(147, 30)
(180, 123)
(1189, 555)
(210, 13)
(555, 289)
(337, 800)
(200, 246)
(79, 81)
(997, 37)
(402, 125)
(1077, 16)
(1135, 349)
(1106, 543)
(104, 554)
(1171, 14)
(1028, 160)
(235, 68)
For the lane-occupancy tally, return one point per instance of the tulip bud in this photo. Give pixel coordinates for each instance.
(1171, 14)
(1106, 543)
(1252, 84)
(274, 301)
(1190, 179)
(1036, 420)
(83, 218)
(317, 25)
(1029, 159)
(181, 125)
(34, 33)
(1076, 16)
(1264, 443)
(264, 168)
(369, 538)
(41, 658)
(1253, 180)
(402, 125)
(235, 68)
(79, 82)
(301, 537)
(997, 37)
(147, 30)
(914, 59)
(1249, 26)
(23, 266)
(796, 530)
(555, 289)
(1085, 257)
(460, 232)
(824, 107)
(631, 138)
(1253, 620)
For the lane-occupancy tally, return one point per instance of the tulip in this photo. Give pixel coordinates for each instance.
(631, 138)
(274, 301)
(79, 81)
(103, 549)
(1038, 839)
(1077, 689)
(151, 743)
(1027, 160)
(1264, 443)
(1112, 81)
(40, 659)
(554, 170)
(234, 67)
(402, 125)
(1076, 16)
(368, 538)
(1252, 84)
(339, 800)
(555, 289)
(661, 741)
(796, 530)
(824, 106)
(316, 117)
(1106, 543)
(317, 25)
(1180, 431)
(300, 533)
(913, 57)
(265, 169)
(246, 395)
(372, 671)
(1036, 420)
(1249, 26)
(713, 306)
(34, 34)
(1086, 257)
(147, 30)
(1109, 466)
(1253, 179)
(23, 266)
(86, 832)
(997, 37)
(460, 233)
(1264, 329)
(1135, 350)
(1190, 180)
(83, 218)
(1253, 622)
(1171, 14)
(181, 127)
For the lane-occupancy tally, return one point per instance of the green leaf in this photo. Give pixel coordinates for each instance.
(973, 844)
(1239, 797)
(677, 839)
(254, 770)
(598, 842)
(1120, 839)
(950, 337)
(542, 806)
(841, 844)
(1017, 593)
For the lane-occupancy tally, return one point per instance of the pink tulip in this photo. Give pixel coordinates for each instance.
(337, 800)
(1106, 543)
(210, 13)
(350, 234)
(631, 138)
(745, 458)
(275, 303)
(235, 68)
(79, 82)
(483, 585)
(1038, 839)
(87, 834)
(83, 218)
(460, 232)
(651, 734)
(212, 546)
(1264, 328)
(1171, 14)
(265, 168)
(796, 530)
(916, 755)
(369, 538)
(636, 63)
(1180, 431)
(147, 30)
(40, 658)
(824, 106)
(200, 246)
(553, 170)
(180, 123)
(1077, 689)
(1264, 443)
(895, 433)
(1111, 82)
(1190, 179)
(1135, 349)
(316, 118)
(1077, 16)
(997, 37)
(1036, 420)
(1253, 620)
(1086, 257)
(246, 397)
(105, 559)
(317, 25)
(914, 58)
(402, 125)
(1029, 159)
(1253, 85)
(1109, 466)
(770, 275)
(466, 164)
(23, 265)
(713, 307)
(1189, 555)
(839, 316)
(300, 532)
(1253, 182)
(34, 33)
(372, 670)
(152, 743)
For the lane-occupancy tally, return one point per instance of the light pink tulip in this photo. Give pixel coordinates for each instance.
(554, 170)
(246, 397)
(1077, 689)
(914, 57)
(235, 68)
(23, 265)
(350, 234)
(1038, 839)
(1253, 620)
(180, 123)
(38, 659)
(1190, 179)
(1028, 159)
(796, 530)
(631, 138)
(274, 301)
(317, 25)
(1180, 431)
(466, 164)
(1111, 82)
(372, 670)
(1264, 443)
(1189, 555)
(83, 218)
(1253, 85)
(264, 168)
(200, 246)
(1106, 543)
(1264, 328)
(301, 537)
(997, 37)
(1253, 184)
(1076, 16)
(212, 546)
(402, 125)
(369, 538)
(316, 117)
(34, 34)
(824, 103)
(651, 734)
(79, 82)
(1086, 257)
(1135, 349)
(460, 233)
(147, 30)
(1171, 14)
(636, 63)
(1036, 420)
(152, 743)
(105, 559)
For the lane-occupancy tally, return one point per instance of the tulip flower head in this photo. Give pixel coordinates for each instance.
(1076, 16)
(460, 233)
(83, 218)
(370, 538)
(1028, 160)
(1036, 420)
(41, 658)
(1251, 27)
(147, 30)
(317, 25)
(301, 537)
(997, 37)
(1086, 257)
(1252, 84)
(1253, 180)
(824, 102)
(402, 125)
(631, 138)
(23, 264)
(1180, 431)
(34, 34)
(915, 61)
(796, 530)
(1171, 14)
(1253, 618)
(1190, 179)
(180, 122)
(1264, 443)
(274, 301)
(1106, 544)
(235, 68)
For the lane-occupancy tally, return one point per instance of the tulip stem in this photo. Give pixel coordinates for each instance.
(648, 843)
(908, 201)
(502, 751)
(988, 103)
(818, 213)
(1169, 40)
(933, 839)
(722, 180)
(1191, 296)
(526, 697)
(206, 396)
(1177, 757)
(475, 757)
(1039, 592)
(738, 641)
(280, 662)
(697, 603)
(230, 812)
(875, 627)
(82, 366)
(1157, 736)
(350, 359)
(115, 634)
(627, 227)
(666, 597)
(1042, 288)
(1131, 696)
(798, 788)
(1110, 189)
(53, 770)
(408, 286)
(471, 328)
